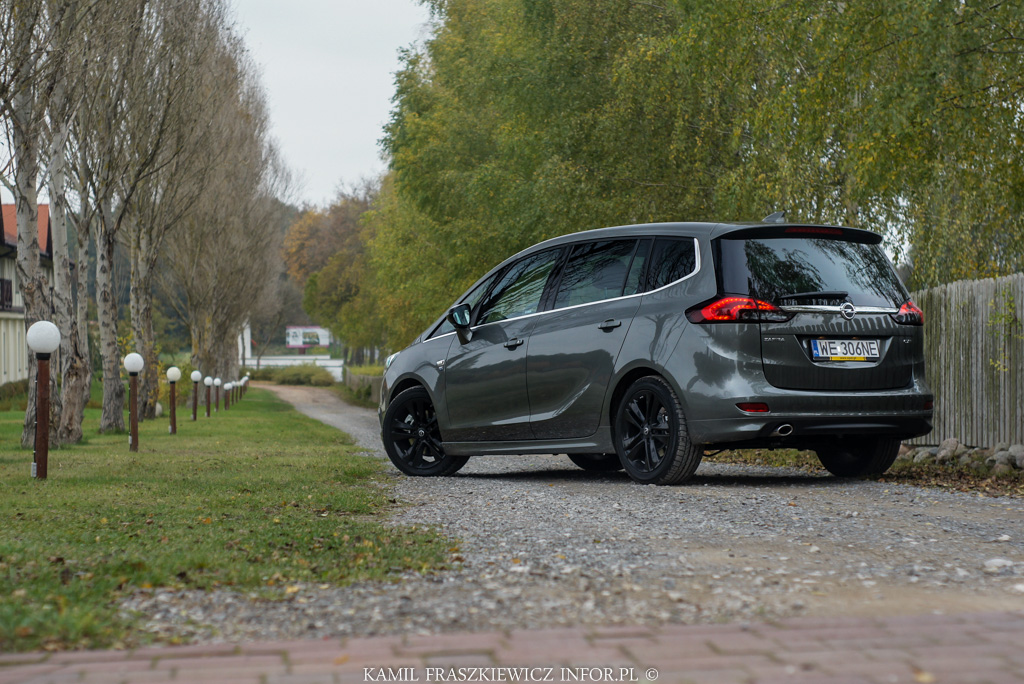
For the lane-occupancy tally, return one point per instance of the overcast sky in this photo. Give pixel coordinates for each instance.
(328, 68)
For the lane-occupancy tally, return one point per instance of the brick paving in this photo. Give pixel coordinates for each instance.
(975, 648)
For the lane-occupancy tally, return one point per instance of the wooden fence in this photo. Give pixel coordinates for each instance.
(974, 356)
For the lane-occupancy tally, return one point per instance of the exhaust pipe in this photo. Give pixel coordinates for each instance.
(784, 430)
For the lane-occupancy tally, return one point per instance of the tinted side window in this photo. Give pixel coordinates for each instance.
(636, 269)
(671, 260)
(594, 271)
(472, 298)
(519, 291)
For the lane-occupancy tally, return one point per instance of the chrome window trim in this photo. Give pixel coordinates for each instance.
(827, 308)
(695, 271)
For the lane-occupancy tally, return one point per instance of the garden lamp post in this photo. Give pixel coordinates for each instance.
(133, 363)
(227, 396)
(246, 386)
(173, 376)
(216, 402)
(207, 381)
(196, 378)
(43, 338)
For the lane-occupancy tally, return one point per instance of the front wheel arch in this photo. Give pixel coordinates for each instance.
(403, 385)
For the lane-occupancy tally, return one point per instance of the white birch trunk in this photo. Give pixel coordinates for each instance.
(112, 418)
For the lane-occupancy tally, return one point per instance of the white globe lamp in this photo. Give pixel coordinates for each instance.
(173, 376)
(134, 363)
(43, 337)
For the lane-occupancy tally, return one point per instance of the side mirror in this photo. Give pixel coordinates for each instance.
(459, 317)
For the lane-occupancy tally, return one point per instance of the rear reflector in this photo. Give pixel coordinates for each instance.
(752, 407)
(929, 405)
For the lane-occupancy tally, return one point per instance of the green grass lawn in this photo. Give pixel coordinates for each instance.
(258, 498)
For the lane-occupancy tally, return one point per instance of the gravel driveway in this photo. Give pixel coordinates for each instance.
(546, 544)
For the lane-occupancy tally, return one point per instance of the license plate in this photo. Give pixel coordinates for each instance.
(844, 350)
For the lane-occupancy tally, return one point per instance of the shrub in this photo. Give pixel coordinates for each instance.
(260, 374)
(365, 370)
(183, 391)
(306, 374)
(10, 390)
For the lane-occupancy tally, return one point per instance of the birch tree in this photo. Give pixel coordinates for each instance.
(225, 256)
(38, 42)
(197, 44)
(122, 127)
(69, 311)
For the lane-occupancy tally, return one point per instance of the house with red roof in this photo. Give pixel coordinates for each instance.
(13, 348)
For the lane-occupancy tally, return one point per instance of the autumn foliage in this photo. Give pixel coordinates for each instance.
(520, 120)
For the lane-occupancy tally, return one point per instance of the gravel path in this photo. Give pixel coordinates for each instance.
(545, 544)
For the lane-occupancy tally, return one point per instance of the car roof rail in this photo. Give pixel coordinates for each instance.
(777, 217)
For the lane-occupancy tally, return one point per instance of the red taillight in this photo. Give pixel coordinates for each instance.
(736, 310)
(909, 314)
(752, 407)
(929, 405)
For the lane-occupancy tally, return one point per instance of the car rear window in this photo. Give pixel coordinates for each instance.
(771, 268)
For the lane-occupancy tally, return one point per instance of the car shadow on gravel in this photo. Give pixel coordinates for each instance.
(549, 476)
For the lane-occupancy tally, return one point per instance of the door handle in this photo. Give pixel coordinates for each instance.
(513, 343)
(610, 324)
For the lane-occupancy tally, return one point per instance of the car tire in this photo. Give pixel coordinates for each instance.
(863, 457)
(651, 437)
(597, 463)
(412, 438)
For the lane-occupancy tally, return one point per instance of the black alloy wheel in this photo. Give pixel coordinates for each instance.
(650, 434)
(412, 438)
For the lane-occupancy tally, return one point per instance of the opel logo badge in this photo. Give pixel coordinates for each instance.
(848, 310)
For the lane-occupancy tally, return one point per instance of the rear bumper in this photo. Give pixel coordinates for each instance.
(813, 416)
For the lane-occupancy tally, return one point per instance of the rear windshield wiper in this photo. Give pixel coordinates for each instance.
(824, 294)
